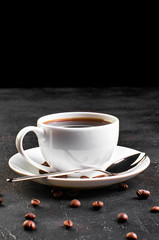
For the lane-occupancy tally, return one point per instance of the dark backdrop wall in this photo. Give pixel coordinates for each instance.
(31, 68)
(41, 73)
(120, 52)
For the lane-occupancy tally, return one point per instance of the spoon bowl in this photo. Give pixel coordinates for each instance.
(127, 163)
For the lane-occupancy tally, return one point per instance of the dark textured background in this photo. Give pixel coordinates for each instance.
(138, 111)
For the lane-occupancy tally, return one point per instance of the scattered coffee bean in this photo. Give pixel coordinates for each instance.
(57, 193)
(30, 216)
(75, 203)
(100, 176)
(97, 205)
(155, 209)
(143, 194)
(122, 217)
(1, 200)
(62, 176)
(123, 186)
(131, 236)
(68, 224)
(72, 193)
(35, 202)
(44, 164)
(84, 176)
(29, 225)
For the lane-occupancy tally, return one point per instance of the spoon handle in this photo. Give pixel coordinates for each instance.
(113, 170)
(51, 175)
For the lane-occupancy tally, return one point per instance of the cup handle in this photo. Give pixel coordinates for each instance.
(19, 144)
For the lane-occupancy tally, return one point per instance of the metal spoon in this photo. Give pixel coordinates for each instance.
(117, 167)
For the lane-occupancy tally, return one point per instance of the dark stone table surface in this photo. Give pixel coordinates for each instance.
(138, 111)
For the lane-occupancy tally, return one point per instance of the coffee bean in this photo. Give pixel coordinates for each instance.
(123, 186)
(68, 224)
(84, 176)
(97, 205)
(122, 217)
(64, 193)
(72, 193)
(100, 176)
(155, 209)
(75, 203)
(57, 194)
(44, 164)
(62, 176)
(143, 194)
(29, 225)
(131, 236)
(1, 200)
(30, 216)
(35, 202)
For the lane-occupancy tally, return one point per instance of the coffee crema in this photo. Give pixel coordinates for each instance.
(77, 122)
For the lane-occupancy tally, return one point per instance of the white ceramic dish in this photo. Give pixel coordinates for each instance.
(18, 164)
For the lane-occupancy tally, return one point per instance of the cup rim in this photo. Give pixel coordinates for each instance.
(41, 121)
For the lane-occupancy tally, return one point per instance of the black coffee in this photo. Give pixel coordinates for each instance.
(79, 122)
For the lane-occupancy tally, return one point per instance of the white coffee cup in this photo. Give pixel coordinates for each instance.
(67, 148)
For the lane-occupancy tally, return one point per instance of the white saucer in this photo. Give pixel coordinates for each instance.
(18, 164)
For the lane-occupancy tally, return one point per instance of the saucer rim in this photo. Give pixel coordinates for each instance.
(137, 170)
